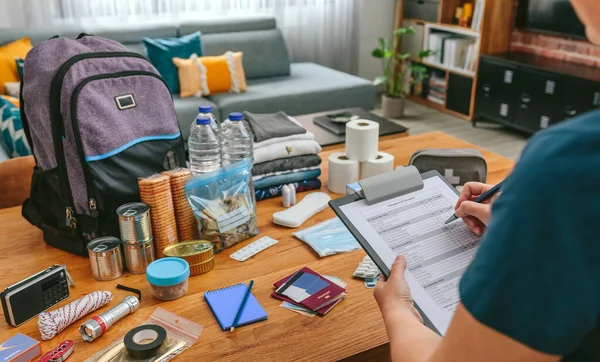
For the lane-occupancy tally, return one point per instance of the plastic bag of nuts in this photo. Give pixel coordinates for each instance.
(223, 202)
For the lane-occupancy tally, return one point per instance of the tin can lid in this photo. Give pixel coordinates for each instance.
(105, 243)
(167, 271)
(133, 209)
(189, 248)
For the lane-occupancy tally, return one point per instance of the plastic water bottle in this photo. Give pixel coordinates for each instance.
(206, 111)
(237, 139)
(204, 147)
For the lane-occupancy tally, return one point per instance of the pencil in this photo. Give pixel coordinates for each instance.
(241, 309)
(482, 198)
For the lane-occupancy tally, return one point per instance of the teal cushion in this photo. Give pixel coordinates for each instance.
(20, 63)
(162, 51)
(13, 136)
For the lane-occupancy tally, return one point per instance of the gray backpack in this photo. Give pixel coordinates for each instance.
(97, 118)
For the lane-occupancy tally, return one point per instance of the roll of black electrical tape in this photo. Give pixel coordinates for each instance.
(143, 342)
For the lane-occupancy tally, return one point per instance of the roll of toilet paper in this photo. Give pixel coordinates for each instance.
(384, 162)
(362, 140)
(342, 171)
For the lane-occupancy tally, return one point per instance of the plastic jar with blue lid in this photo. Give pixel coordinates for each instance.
(168, 278)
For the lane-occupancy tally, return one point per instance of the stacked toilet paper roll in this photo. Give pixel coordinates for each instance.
(362, 158)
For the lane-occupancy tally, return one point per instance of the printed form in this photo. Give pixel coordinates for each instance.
(437, 255)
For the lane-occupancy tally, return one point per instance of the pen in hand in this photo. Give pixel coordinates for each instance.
(482, 198)
(242, 305)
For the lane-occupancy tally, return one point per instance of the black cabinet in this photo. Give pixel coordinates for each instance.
(495, 91)
(530, 93)
(427, 10)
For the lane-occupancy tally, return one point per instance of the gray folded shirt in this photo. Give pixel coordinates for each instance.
(285, 164)
(272, 125)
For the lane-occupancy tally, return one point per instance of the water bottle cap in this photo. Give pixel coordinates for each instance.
(205, 109)
(203, 120)
(236, 116)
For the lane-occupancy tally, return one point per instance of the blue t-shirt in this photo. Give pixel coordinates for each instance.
(536, 276)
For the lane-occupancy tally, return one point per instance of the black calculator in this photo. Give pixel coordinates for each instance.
(31, 296)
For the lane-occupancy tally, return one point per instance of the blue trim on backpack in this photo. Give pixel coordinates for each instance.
(132, 143)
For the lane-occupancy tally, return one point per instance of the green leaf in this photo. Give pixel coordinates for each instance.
(426, 53)
(384, 43)
(405, 31)
(378, 53)
(404, 56)
(380, 80)
(388, 54)
(418, 68)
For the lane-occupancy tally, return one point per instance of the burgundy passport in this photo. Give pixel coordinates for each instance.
(318, 302)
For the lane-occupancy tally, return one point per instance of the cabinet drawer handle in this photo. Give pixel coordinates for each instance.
(526, 98)
(487, 88)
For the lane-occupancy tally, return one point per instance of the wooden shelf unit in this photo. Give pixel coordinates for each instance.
(494, 37)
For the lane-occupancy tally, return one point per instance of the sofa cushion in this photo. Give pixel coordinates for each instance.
(162, 51)
(11, 127)
(265, 52)
(8, 60)
(187, 110)
(310, 88)
(228, 25)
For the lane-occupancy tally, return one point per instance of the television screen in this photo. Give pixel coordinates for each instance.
(550, 16)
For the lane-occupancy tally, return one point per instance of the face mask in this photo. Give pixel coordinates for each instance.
(329, 238)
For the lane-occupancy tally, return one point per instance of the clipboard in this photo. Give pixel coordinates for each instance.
(400, 182)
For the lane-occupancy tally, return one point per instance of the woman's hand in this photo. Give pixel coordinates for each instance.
(393, 295)
(476, 216)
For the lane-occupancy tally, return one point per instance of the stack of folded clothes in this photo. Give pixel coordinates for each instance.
(284, 153)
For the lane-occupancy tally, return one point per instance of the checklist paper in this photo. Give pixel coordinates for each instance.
(437, 255)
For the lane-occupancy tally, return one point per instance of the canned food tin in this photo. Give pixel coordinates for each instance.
(194, 252)
(106, 258)
(203, 267)
(138, 256)
(134, 222)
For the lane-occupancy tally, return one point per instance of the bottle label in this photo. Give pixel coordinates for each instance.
(233, 219)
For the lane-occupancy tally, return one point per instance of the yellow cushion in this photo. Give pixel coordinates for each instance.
(202, 76)
(8, 63)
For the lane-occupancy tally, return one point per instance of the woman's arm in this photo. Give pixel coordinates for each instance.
(466, 340)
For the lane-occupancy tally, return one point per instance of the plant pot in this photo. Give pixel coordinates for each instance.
(392, 107)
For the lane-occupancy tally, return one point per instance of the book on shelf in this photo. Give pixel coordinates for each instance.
(436, 100)
(456, 51)
(478, 15)
(435, 42)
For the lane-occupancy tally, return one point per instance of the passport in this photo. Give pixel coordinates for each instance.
(319, 294)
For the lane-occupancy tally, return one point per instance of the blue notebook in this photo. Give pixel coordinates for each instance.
(225, 302)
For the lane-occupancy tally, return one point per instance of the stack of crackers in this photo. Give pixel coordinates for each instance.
(156, 192)
(187, 225)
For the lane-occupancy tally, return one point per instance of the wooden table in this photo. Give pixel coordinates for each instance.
(353, 327)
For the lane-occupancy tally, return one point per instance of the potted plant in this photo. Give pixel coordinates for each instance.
(400, 72)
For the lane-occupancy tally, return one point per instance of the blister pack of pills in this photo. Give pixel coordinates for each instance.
(254, 248)
(366, 269)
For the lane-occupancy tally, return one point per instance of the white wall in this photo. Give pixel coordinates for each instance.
(375, 20)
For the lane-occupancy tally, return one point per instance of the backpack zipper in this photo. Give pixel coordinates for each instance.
(57, 125)
(91, 191)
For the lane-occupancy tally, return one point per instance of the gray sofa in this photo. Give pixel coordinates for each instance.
(274, 83)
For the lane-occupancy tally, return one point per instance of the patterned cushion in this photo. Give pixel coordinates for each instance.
(20, 62)
(11, 129)
(203, 76)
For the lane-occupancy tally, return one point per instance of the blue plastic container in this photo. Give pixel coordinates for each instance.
(168, 278)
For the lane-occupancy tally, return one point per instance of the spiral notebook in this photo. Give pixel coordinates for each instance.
(225, 302)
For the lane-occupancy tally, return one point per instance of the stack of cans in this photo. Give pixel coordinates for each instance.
(136, 234)
(156, 192)
(200, 255)
(187, 225)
